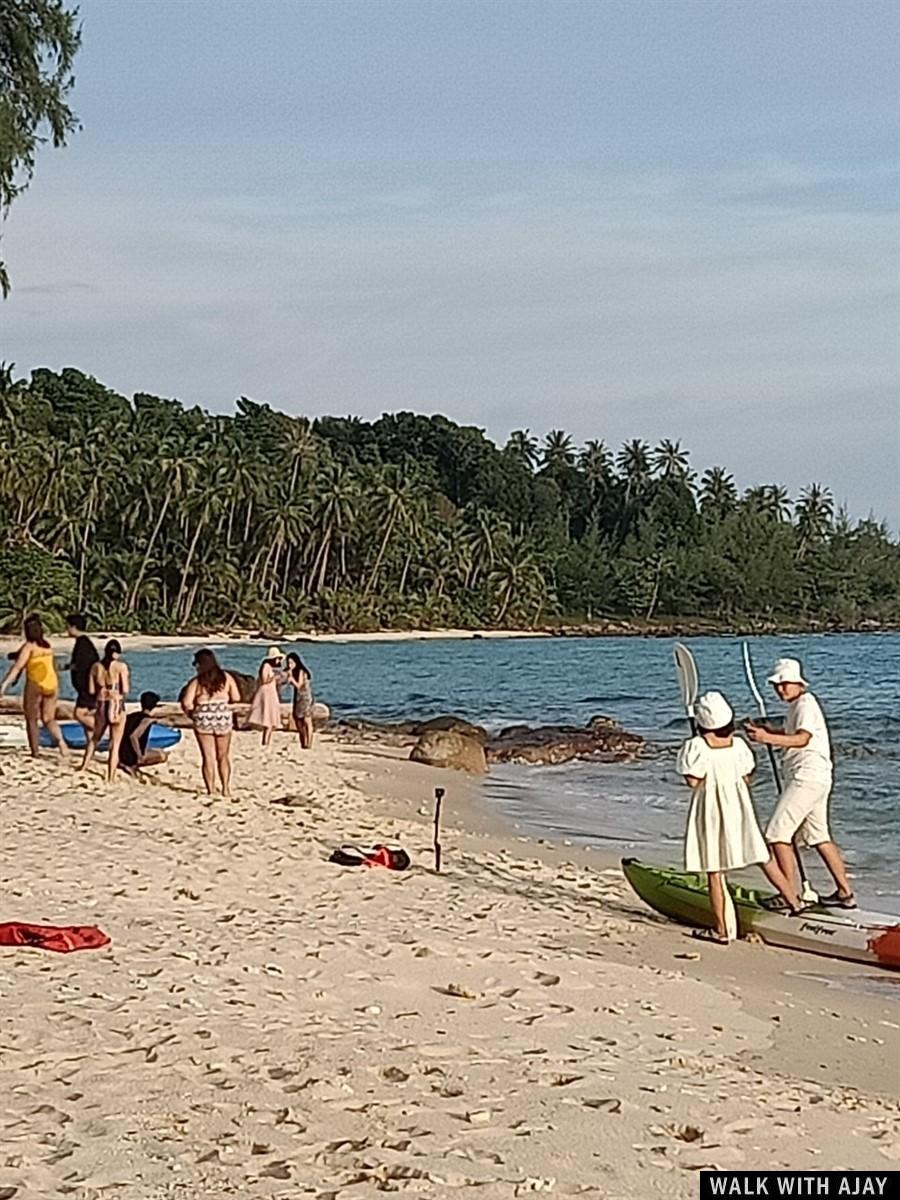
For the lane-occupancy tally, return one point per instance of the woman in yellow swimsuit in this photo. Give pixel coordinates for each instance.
(110, 683)
(35, 661)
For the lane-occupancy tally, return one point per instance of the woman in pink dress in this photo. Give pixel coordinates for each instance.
(265, 711)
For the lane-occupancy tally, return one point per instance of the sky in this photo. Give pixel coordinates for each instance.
(648, 218)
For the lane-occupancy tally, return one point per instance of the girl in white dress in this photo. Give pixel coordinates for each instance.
(722, 831)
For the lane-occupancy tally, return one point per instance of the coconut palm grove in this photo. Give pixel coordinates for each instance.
(151, 516)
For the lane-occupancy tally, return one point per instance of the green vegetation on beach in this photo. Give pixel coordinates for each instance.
(154, 517)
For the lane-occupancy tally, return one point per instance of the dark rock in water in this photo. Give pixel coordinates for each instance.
(451, 724)
(448, 748)
(447, 741)
(602, 739)
(246, 684)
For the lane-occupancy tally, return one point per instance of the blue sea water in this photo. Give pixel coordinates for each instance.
(640, 806)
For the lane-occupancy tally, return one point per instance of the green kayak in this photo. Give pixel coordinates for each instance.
(868, 937)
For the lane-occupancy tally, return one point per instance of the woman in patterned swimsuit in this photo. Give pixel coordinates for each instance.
(300, 678)
(207, 700)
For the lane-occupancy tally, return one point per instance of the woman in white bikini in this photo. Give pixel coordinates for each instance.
(208, 700)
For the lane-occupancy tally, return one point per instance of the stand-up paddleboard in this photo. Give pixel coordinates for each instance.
(162, 737)
(867, 937)
(13, 737)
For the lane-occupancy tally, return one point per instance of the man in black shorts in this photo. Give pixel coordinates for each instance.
(84, 655)
(133, 752)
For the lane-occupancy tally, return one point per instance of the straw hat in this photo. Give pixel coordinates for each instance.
(788, 670)
(713, 711)
(274, 652)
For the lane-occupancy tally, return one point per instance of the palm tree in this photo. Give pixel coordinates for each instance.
(393, 500)
(91, 462)
(595, 461)
(282, 527)
(485, 534)
(718, 494)
(199, 504)
(779, 502)
(670, 460)
(815, 513)
(558, 449)
(516, 580)
(302, 448)
(522, 446)
(335, 514)
(769, 500)
(179, 474)
(633, 461)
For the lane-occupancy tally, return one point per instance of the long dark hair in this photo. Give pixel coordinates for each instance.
(113, 646)
(210, 676)
(298, 667)
(34, 631)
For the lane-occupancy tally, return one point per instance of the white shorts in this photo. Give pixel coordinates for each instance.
(802, 812)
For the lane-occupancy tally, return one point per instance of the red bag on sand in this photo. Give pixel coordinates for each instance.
(53, 937)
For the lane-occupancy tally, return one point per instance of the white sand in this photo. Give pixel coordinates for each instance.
(147, 641)
(268, 1024)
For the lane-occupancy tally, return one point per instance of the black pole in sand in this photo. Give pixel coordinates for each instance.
(438, 797)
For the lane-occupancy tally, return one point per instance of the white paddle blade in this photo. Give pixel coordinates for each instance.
(688, 677)
(751, 680)
(731, 925)
(808, 893)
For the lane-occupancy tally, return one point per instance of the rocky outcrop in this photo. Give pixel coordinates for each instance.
(447, 748)
(601, 740)
(246, 684)
(451, 724)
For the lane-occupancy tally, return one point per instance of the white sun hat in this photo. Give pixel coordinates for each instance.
(788, 670)
(713, 711)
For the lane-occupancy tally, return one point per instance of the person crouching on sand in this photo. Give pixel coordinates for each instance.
(35, 660)
(134, 752)
(802, 810)
(265, 710)
(722, 831)
(208, 701)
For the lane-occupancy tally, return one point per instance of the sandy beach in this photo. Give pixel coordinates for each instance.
(267, 1023)
(148, 641)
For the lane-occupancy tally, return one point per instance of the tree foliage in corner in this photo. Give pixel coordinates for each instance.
(38, 43)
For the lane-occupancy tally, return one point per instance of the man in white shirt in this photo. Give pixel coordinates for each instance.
(802, 809)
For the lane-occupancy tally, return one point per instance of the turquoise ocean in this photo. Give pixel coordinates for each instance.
(639, 807)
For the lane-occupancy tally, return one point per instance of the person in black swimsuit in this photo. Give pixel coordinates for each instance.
(133, 752)
(84, 655)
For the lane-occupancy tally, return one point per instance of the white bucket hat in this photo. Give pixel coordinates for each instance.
(787, 670)
(713, 711)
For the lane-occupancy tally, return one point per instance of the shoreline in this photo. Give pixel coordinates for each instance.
(287, 1024)
(613, 629)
